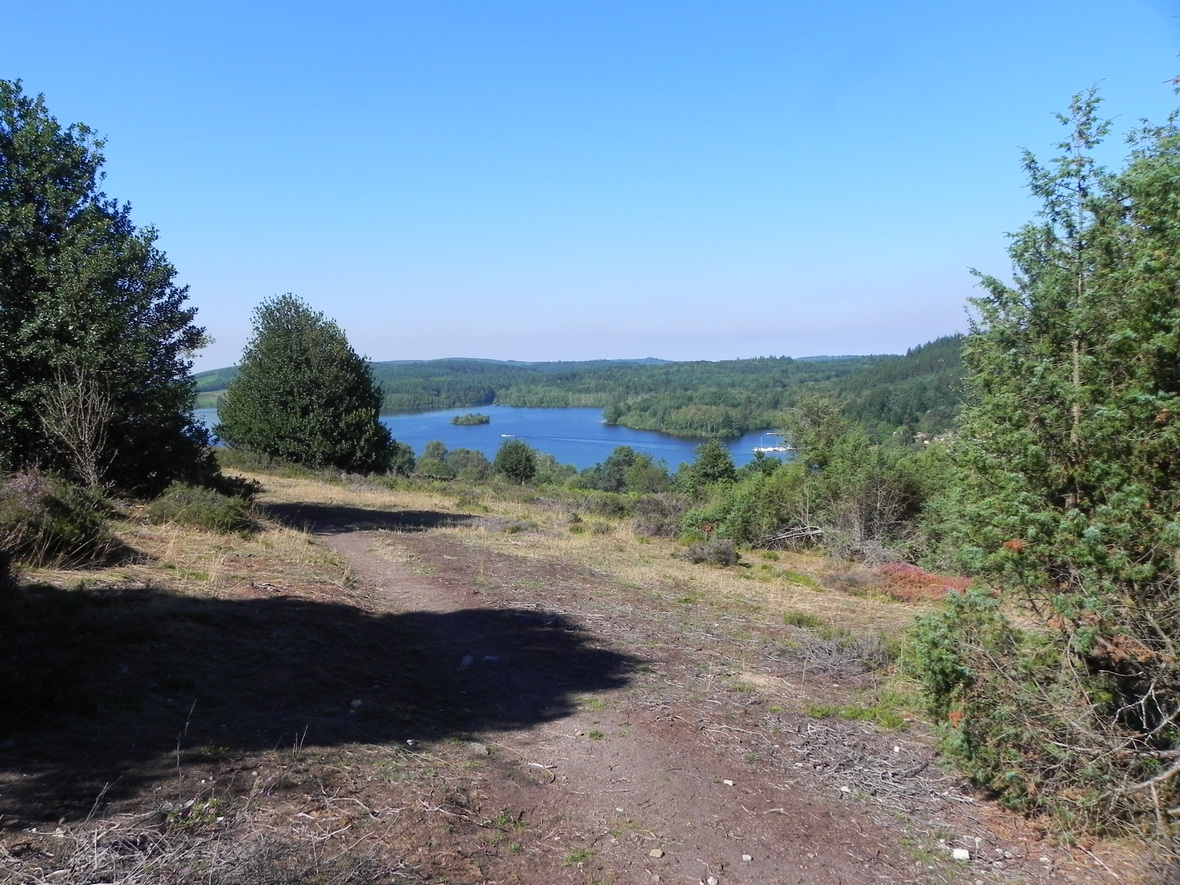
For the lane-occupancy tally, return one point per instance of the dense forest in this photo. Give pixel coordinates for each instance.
(919, 391)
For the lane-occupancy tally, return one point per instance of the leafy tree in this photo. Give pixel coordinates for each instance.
(815, 427)
(95, 336)
(401, 459)
(433, 463)
(1069, 489)
(626, 470)
(470, 465)
(516, 460)
(303, 394)
(711, 466)
(645, 476)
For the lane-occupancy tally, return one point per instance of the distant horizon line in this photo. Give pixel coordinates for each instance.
(631, 360)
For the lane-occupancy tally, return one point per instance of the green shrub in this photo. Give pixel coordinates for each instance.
(1022, 719)
(801, 619)
(202, 508)
(45, 520)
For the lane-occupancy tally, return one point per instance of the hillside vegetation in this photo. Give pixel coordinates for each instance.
(919, 391)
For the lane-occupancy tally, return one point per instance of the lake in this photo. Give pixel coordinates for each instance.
(572, 436)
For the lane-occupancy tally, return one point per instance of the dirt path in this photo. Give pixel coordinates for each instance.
(455, 698)
(689, 761)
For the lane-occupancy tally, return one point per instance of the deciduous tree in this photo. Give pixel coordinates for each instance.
(516, 460)
(95, 336)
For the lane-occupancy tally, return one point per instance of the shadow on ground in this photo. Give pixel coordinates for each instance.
(151, 680)
(336, 518)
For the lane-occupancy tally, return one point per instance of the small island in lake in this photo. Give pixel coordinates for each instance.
(471, 418)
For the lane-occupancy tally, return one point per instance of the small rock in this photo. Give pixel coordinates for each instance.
(466, 662)
(712, 880)
(479, 749)
(356, 705)
(656, 852)
(747, 858)
(961, 854)
(728, 783)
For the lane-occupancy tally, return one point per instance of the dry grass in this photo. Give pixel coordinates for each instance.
(792, 582)
(194, 562)
(650, 564)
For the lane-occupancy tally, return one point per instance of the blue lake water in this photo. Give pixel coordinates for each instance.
(572, 436)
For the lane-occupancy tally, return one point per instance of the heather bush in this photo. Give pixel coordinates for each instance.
(45, 520)
(202, 508)
(714, 551)
(658, 516)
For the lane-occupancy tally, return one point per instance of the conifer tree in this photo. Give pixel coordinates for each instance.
(303, 394)
(1070, 486)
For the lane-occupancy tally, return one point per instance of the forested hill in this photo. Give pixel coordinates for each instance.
(921, 391)
(708, 399)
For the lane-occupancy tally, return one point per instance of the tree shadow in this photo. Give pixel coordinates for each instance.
(338, 518)
(110, 691)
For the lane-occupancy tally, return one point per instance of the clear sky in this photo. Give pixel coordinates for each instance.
(581, 179)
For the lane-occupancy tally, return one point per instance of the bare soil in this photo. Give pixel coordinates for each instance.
(447, 699)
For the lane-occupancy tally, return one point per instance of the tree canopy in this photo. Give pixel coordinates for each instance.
(516, 460)
(95, 336)
(303, 394)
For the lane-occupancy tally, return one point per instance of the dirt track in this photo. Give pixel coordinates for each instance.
(689, 761)
(468, 706)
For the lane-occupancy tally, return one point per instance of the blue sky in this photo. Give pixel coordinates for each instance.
(578, 180)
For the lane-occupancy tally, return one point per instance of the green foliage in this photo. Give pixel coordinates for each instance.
(303, 394)
(516, 461)
(860, 498)
(471, 419)
(919, 391)
(801, 619)
(659, 516)
(1069, 482)
(712, 466)
(95, 336)
(401, 459)
(626, 470)
(467, 465)
(202, 508)
(45, 520)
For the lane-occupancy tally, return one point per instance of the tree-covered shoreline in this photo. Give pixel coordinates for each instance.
(715, 400)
